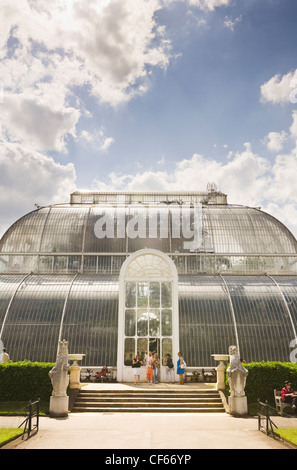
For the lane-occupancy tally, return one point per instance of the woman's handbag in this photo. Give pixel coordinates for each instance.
(183, 365)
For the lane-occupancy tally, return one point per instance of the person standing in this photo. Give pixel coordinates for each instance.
(149, 374)
(180, 371)
(5, 356)
(169, 368)
(156, 366)
(137, 363)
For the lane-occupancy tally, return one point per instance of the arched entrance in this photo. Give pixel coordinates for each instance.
(148, 311)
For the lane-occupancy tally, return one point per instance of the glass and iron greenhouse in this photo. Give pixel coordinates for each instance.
(118, 274)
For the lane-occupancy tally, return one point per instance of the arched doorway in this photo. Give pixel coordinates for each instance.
(148, 311)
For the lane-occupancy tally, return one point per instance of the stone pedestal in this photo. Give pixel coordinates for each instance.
(238, 406)
(59, 407)
(220, 385)
(75, 370)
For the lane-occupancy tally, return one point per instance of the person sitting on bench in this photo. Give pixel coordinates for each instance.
(289, 396)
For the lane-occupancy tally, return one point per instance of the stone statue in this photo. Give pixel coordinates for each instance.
(237, 374)
(59, 374)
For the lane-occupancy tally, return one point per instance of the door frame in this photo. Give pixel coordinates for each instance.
(167, 274)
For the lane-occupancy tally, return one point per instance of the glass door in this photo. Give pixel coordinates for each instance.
(148, 322)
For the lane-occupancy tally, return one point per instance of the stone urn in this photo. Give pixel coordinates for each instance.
(75, 370)
(222, 358)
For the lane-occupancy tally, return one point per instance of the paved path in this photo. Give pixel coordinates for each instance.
(153, 431)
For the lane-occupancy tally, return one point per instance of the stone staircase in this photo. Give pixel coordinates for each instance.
(149, 401)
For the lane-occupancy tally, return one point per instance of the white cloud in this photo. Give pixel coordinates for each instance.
(280, 89)
(275, 140)
(28, 119)
(28, 177)
(293, 128)
(209, 4)
(97, 139)
(109, 47)
(231, 23)
(114, 42)
(205, 5)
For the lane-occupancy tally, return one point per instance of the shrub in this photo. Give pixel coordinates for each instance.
(264, 377)
(24, 381)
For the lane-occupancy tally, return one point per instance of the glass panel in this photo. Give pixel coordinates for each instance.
(104, 264)
(166, 348)
(263, 324)
(8, 286)
(142, 347)
(154, 293)
(90, 264)
(129, 351)
(288, 286)
(166, 322)
(63, 231)
(205, 318)
(154, 322)
(131, 294)
(130, 322)
(33, 322)
(74, 264)
(166, 294)
(25, 234)
(142, 294)
(91, 319)
(154, 346)
(60, 264)
(46, 264)
(142, 322)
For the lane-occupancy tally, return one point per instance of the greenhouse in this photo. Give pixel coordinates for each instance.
(122, 273)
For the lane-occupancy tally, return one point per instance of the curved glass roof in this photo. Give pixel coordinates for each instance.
(107, 228)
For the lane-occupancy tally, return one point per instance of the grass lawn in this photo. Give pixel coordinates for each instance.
(6, 434)
(288, 434)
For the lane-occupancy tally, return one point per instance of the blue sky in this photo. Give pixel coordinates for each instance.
(148, 95)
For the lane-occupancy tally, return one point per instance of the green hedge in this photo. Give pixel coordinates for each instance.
(24, 381)
(264, 377)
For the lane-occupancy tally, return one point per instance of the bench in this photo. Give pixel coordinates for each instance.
(279, 404)
(192, 376)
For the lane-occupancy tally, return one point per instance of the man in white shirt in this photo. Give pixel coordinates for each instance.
(5, 356)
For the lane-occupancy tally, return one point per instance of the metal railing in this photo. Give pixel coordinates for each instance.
(31, 422)
(265, 423)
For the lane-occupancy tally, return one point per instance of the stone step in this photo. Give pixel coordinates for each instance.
(169, 401)
(148, 393)
(203, 404)
(138, 409)
(144, 396)
(148, 402)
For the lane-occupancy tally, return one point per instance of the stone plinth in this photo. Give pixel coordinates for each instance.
(238, 406)
(220, 385)
(59, 407)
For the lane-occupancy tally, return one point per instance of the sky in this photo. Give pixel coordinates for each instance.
(148, 95)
